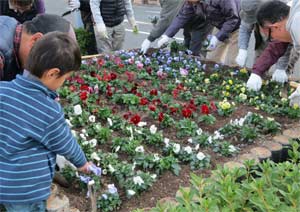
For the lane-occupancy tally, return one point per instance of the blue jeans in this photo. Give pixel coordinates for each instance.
(33, 207)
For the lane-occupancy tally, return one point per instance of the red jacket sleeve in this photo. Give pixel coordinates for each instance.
(269, 57)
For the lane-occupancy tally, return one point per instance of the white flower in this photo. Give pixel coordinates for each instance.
(95, 156)
(111, 168)
(93, 142)
(176, 148)
(167, 142)
(188, 149)
(200, 156)
(133, 167)
(83, 131)
(241, 122)
(69, 123)
(110, 123)
(85, 143)
(138, 180)
(118, 148)
(210, 140)
(199, 131)
(82, 136)
(153, 129)
(92, 118)
(130, 192)
(231, 148)
(156, 157)
(190, 140)
(154, 176)
(197, 146)
(139, 149)
(77, 110)
(218, 136)
(112, 188)
(142, 124)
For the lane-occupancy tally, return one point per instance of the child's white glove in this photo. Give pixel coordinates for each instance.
(145, 46)
(164, 39)
(295, 97)
(133, 24)
(74, 4)
(280, 76)
(241, 57)
(213, 43)
(101, 30)
(254, 82)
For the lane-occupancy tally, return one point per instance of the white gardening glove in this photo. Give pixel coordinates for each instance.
(101, 30)
(62, 162)
(74, 4)
(145, 46)
(213, 43)
(133, 24)
(164, 39)
(241, 57)
(295, 97)
(254, 82)
(280, 76)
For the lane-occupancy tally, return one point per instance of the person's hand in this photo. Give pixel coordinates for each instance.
(213, 43)
(101, 30)
(164, 39)
(145, 46)
(295, 97)
(241, 57)
(280, 76)
(254, 82)
(86, 168)
(133, 24)
(74, 4)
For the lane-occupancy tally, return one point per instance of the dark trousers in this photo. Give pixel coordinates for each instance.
(88, 26)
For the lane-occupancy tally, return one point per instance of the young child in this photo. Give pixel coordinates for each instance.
(33, 129)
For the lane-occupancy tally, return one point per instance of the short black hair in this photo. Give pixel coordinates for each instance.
(45, 23)
(54, 50)
(272, 12)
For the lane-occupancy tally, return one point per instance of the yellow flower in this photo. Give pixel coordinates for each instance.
(284, 99)
(243, 89)
(230, 82)
(227, 87)
(227, 94)
(244, 71)
(295, 106)
(225, 105)
(243, 96)
(207, 81)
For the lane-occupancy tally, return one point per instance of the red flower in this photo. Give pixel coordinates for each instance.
(213, 106)
(79, 80)
(144, 101)
(173, 110)
(83, 95)
(161, 117)
(153, 92)
(204, 109)
(180, 86)
(152, 107)
(121, 65)
(126, 115)
(149, 70)
(138, 94)
(84, 88)
(113, 76)
(186, 112)
(156, 101)
(135, 119)
(175, 93)
(101, 62)
(130, 76)
(72, 88)
(93, 74)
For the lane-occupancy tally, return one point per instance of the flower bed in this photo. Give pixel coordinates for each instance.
(140, 118)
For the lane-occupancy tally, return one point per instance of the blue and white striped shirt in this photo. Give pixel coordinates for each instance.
(32, 131)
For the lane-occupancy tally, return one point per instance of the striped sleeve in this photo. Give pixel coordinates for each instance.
(59, 139)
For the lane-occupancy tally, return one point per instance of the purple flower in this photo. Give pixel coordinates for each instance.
(184, 72)
(85, 179)
(96, 170)
(112, 189)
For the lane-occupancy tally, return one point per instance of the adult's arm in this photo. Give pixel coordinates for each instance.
(129, 9)
(185, 14)
(169, 10)
(40, 4)
(269, 57)
(230, 10)
(95, 8)
(245, 35)
(283, 61)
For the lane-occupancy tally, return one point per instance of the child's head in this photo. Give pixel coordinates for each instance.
(53, 58)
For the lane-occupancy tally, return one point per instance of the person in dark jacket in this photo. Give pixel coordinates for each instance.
(22, 10)
(223, 14)
(17, 39)
(87, 19)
